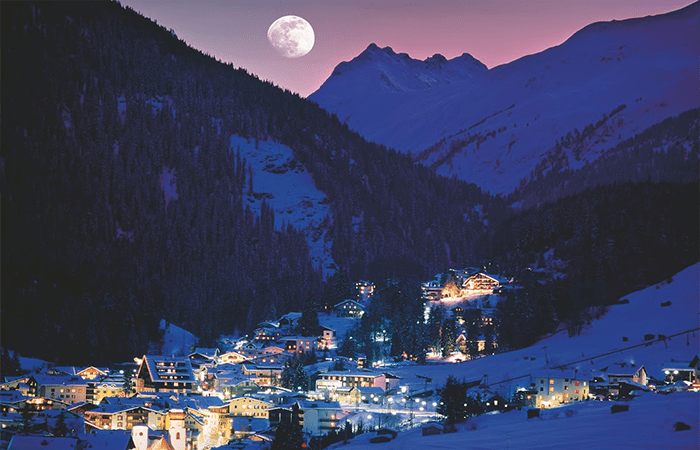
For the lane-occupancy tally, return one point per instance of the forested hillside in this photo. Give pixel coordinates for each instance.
(123, 202)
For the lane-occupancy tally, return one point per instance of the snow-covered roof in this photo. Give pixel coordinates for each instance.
(308, 404)
(618, 370)
(297, 338)
(200, 402)
(349, 300)
(371, 390)
(291, 316)
(160, 367)
(351, 374)
(206, 352)
(114, 408)
(11, 396)
(62, 380)
(108, 439)
(563, 374)
(20, 442)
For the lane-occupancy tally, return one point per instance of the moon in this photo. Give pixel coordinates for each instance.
(291, 36)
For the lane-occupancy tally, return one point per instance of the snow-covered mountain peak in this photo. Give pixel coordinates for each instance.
(492, 127)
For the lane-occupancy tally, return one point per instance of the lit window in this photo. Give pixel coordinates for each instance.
(551, 381)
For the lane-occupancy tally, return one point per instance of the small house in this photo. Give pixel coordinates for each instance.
(349, 308)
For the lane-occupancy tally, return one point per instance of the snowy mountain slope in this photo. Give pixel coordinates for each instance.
(176, 341)
(492, 127)
(649, 424)
(600, 344)
(284, 183)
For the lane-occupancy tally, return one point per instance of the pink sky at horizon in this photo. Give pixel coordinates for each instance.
(494, 32)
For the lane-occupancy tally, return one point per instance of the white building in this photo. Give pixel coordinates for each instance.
(318, 418)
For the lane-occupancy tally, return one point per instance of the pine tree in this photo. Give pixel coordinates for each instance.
(309, 319)
(453, 399)
(289, 435)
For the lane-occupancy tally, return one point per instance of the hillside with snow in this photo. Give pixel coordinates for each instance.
(620, 336)
(648, 424)
(670, 311)
(492, 127)
(286, 185)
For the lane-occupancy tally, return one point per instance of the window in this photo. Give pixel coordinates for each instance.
(551, 381)
(551, 389)
(576, 383)
(575, 391)
(541, 389)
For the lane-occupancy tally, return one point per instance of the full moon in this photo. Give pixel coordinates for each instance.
(291, 36)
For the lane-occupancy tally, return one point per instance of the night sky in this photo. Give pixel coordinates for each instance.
(494, 32)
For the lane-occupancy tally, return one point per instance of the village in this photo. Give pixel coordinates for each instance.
(242, 392)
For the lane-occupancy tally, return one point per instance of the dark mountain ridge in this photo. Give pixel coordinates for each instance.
(103, 109)
(123, 200)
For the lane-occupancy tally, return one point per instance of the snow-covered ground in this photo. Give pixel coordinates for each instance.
(599, 345)
(649, 424)
(284, 183)
(521, 109)
(31, 364)
(176, 341)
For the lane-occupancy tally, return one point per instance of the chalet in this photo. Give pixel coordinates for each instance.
(237, 386)
(682, 371)
(124, 417)
(483, 282)
(20, 384)
(108, 386)
(349, 308)
(252, 349)
(165, 374)
(34, 404)
(392, 381)
(558, 387)
(278, 415)
(204, 354)
(194, 421)
(318, 418)
(268, 374)
(300, 344)
(330, 381)
(92, 372)
(273, 349)
(364, 290)
(268, 334)
(328, 336)
(627, 373)
(289, 321)
(219, 418)
(267, 358)
(70, 389)
(249, 407)
(432, 290)
(525, 397)
(232, 358)
(347, 395)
